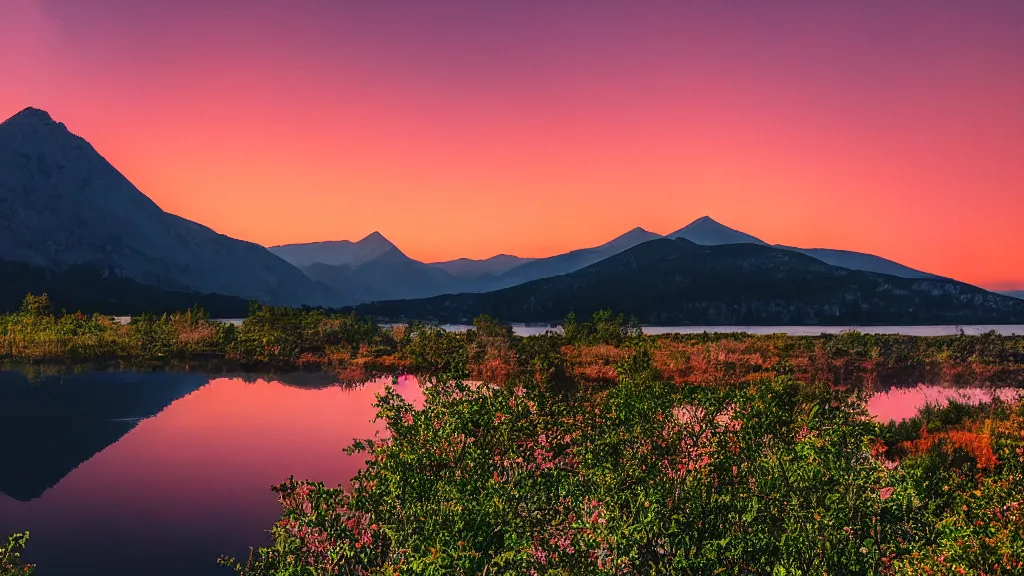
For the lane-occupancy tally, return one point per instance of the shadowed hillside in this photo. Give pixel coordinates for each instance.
(677, 282)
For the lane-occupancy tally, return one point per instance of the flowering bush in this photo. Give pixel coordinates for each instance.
(642, 477)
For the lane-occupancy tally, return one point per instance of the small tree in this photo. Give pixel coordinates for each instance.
(34, 305)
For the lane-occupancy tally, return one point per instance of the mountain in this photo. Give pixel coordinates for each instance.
(1013, 293)
(563, 263)
(63, 421)
(388, 274)
(90, 290)
(374, 269)
(63, 205)
(335, 253)
(860, 261)
(468, 268)
(708, 232)
(370, 269)
(678, 282)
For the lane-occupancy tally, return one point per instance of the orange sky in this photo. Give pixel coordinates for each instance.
(461, 128)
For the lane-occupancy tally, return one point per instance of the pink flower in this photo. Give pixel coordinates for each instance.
(885, 493)
(407, 419)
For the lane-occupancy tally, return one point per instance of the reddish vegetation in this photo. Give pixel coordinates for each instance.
(733, 361)
(978, 445)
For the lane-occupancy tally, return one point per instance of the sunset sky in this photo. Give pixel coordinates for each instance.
(471, 128)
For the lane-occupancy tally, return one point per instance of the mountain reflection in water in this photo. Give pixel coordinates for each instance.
(110, 471)
(104, 493)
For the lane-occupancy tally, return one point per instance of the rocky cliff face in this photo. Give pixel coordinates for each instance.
(62, 205)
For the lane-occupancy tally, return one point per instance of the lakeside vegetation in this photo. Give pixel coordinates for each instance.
(645, 476)
(354, 348)
(599, 450)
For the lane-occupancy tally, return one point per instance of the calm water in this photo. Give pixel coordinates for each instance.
(111, 471)
(939, 330)
(1004, 329)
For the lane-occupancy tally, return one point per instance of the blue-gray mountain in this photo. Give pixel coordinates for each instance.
(350, 268)
(62, 205)
(678, 282)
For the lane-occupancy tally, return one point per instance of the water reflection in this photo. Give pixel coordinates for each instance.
(900, 403)
(159, 474)
(195, 479)
(55, 423)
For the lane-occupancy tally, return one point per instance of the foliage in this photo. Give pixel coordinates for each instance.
(648, 477)
(10, 556)
(604, 328)
(282, 339)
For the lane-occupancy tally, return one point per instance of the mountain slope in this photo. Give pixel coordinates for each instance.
(390, 275)
(63, 205)
(335, 252)
(1013, 293)
(677, 282)
(469, 268)
(88, 290)
(860, 261)
(563, 263)
(707, 232)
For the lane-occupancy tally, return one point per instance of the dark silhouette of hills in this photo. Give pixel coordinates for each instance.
(678, 282)
(55, 424)
(1013, 293)
(468, 268)
(370, 269)
(707, 232)
(89, 290)
(63, 205)
(563, 263)
(374, 269)
(860, 261)
(336, 252)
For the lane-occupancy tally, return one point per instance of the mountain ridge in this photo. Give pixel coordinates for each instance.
(678, 282)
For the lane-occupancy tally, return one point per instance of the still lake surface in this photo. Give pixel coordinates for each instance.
(124, 473)
(936, 330)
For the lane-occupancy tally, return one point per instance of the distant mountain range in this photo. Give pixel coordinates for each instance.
(352, 270)
(73, 226)
(1013, 293)
(678, 282)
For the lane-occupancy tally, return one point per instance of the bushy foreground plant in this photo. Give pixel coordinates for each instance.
(10, 556)
(641, 478)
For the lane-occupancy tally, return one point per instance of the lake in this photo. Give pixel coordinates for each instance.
(936, 330)
(109, 471)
